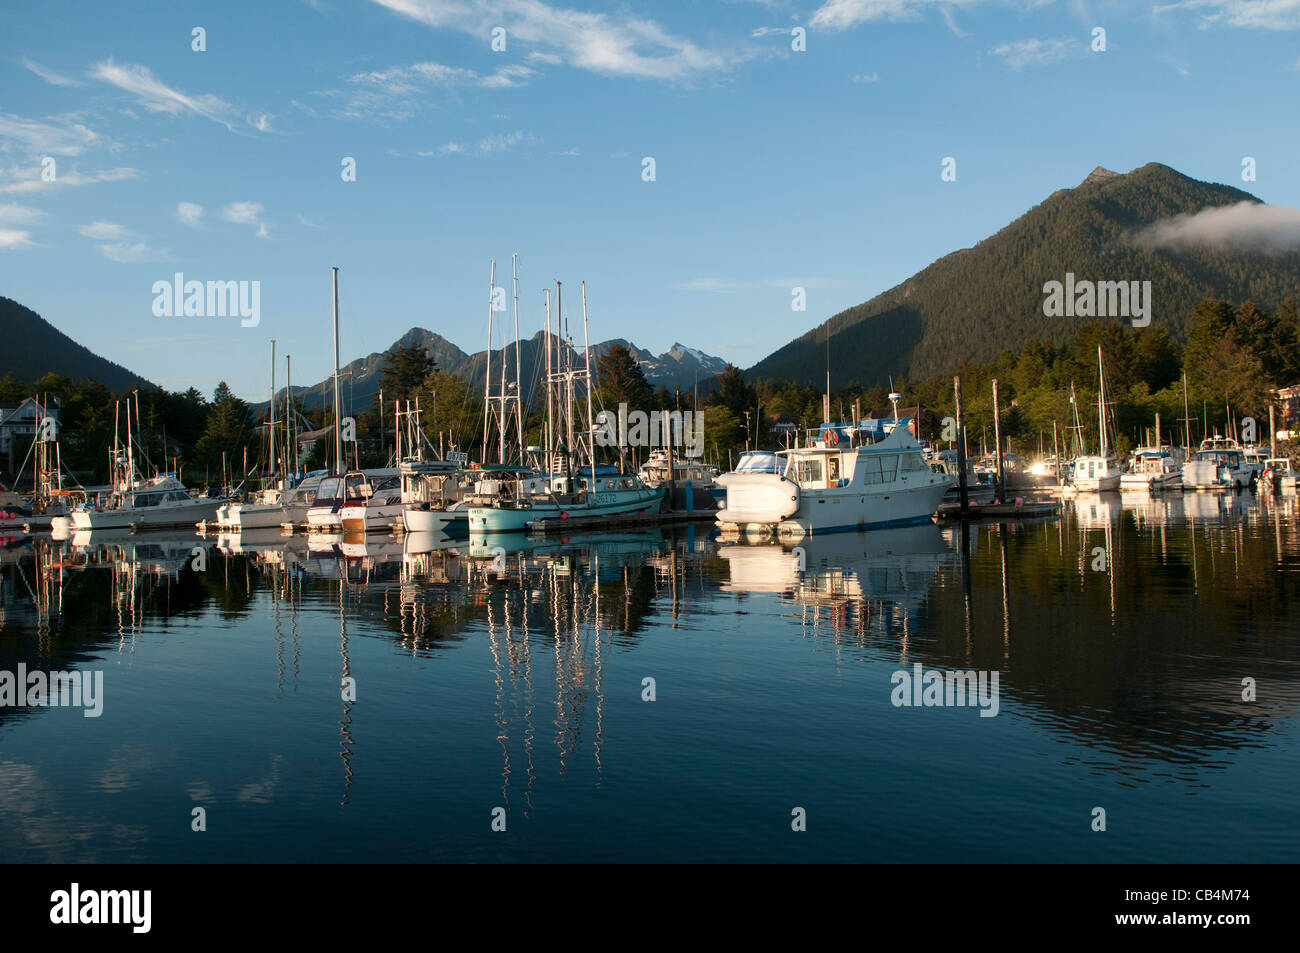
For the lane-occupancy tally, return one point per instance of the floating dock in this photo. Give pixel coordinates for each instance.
(1029, 509)
(619, 521)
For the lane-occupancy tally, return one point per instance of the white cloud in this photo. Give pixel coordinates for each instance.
(613, 45)
(59, 137)
(29, 179)
(103, 231)
(260, 121)
(156, 96)
(1033, 52)
(130, 253)
(308, 223)
(189, 213)
(13, 238)
(399, 92)
(246, 213)
(1248, 226)
(51, 77)
(867, 78)
(500, 143)
(11, 214)
(1245, 14)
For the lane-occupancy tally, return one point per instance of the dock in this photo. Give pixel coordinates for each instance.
(1028, 509)
(620, 521)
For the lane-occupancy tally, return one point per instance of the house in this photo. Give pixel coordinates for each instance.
(18, 423)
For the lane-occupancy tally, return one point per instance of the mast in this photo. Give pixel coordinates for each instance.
(548, 439)
(338, 429)
(1101, 402)
(487, 374)
(519, 374)
(270, 417)
(591, 435)
(290, 445)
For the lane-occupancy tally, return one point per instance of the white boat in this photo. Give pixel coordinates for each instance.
(1278, 475)
(980, 489)
(433, 492)
(833, 486)
(1096, 473)
(1153, 469)
(1217, 465)
(346, 497)
(272, 508)
(160, 501)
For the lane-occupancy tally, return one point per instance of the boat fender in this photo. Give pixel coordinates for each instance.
(564, 516)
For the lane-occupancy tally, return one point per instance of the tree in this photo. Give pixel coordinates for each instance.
(405, 369)
(734, 393)
(227, 431)
(621, 381)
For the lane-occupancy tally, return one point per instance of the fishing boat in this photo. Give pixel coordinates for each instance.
(136, 502)
(433, 494)
(1152, 469)
(573, 487)
(980, 488)
(351, 492)
(841, 480)
(1218, 465)
(1096, 472)
(1279, 475)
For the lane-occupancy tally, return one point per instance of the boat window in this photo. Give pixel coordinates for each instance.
(832, 469)
(808, 470)
(879, 468)
(913, 462)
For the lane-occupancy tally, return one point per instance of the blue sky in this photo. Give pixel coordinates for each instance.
(774, 168)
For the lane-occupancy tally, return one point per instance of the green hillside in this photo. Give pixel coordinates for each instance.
(31, 347)
(973, 304)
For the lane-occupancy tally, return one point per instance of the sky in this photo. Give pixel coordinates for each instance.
(795, 145)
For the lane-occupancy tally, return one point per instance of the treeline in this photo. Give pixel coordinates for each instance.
(1235, 357)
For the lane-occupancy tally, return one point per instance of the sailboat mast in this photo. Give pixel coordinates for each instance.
(289, 462)
(487, 373)
(338, 424)
(549, 401)
(591, 434)
(270, 417)
(1187, 416)
(519, 373)
(1101, 402)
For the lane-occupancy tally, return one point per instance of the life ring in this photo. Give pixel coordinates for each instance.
(564, 516)
(831, 436)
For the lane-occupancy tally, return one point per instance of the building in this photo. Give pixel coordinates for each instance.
(18, 425)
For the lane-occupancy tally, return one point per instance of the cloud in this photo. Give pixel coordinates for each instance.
(260, 121)
(156, 96)
(59, 137)
(30, 180)
(500, 143)
(11, 214)
(612, 45)
(1246, 226)
(246, 213)
(103, 231)
(1244, 14)
(130, 253)
(189, 213)
(308, 223)
(13, 238)
(867, 78)
(1033, 52)
(51, 77)
(399, 92)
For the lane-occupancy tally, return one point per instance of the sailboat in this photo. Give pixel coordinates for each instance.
(1097, 472)
(571, 489)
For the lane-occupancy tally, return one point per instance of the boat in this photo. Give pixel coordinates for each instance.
(433, 493)
(834, 484)
(346, 497)
(139, 503)
(980, 487)
(1218, 465)
(1278, 475)
(570, 488)
(1095, 472)
(701, 478)
(1153, 469)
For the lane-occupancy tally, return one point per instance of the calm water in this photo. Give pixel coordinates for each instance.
(1120, 633)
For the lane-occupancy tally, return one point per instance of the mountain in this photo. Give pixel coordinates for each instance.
(33, 348)
(679, 366)
(973, 304)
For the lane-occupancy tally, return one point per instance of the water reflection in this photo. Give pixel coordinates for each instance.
(1122, 632)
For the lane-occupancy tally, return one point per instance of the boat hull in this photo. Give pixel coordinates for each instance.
(450, 522)
(515, 519)
(153, 517)
(842, 511)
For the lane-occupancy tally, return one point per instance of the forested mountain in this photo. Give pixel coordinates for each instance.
(973, 304)
(31, 347)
